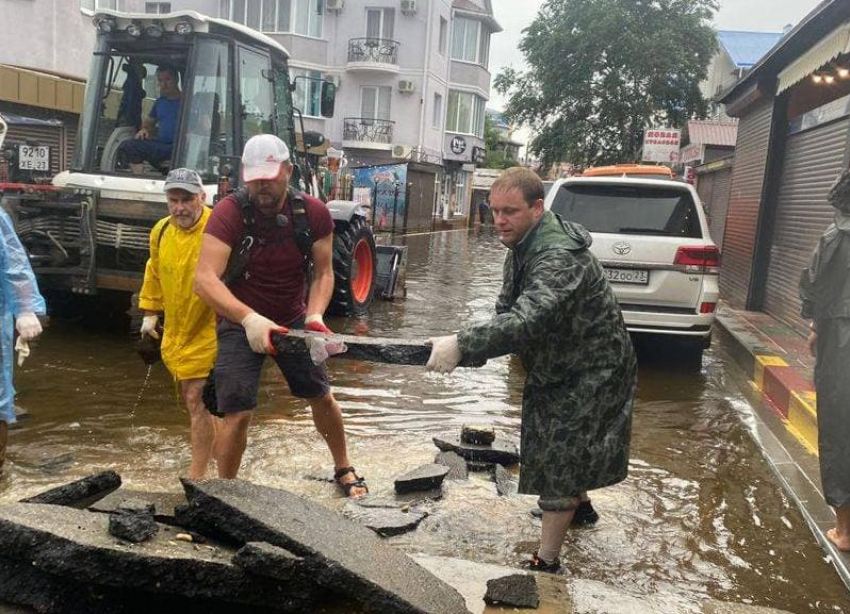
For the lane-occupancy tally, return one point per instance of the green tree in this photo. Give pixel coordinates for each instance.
(601, 72)
(496, 155)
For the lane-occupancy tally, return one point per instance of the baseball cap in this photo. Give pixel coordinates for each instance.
(262, 157)
(184, 179)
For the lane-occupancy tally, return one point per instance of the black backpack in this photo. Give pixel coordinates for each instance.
(238, 261)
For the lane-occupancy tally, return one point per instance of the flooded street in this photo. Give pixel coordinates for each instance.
(700, 515)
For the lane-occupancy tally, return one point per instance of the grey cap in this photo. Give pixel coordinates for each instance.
(184, 179)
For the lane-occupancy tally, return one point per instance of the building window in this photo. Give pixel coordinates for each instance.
(380, 23)
(465, 39)
(94, 5)
(157, 8)
(375, 102)
(308, 92)
(304, 17)
(444, 29)
(437, 118)
(465, 114)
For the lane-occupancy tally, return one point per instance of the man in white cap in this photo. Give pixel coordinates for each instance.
(265, 231)
(188, 341)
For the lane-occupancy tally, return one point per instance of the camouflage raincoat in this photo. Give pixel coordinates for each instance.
(825, 294)
(557, 311)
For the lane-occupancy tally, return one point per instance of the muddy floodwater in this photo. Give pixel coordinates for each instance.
(699, 516)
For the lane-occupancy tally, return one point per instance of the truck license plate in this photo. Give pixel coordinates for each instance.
(34, 158)
(628, 276)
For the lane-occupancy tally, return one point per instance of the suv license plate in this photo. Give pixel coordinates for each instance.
(628, 276)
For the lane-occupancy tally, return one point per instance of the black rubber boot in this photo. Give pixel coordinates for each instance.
(585, 515)
(538, 564)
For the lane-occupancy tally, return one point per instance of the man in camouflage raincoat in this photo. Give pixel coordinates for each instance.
(825, 294)
(558, 312)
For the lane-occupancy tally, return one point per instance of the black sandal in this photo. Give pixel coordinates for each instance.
(347, 486)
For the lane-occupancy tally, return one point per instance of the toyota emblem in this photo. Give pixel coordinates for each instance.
(622, 248)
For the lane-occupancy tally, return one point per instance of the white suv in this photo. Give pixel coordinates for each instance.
(651, 236)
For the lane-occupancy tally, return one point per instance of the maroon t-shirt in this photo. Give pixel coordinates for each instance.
(274, 283)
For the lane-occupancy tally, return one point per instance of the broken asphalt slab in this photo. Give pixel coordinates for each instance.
(81, 493)
(517, 590)
(478, 435)
(164, 502)
(500, 451)
(506, 485)
(426, 477)
(76, 545)
(372, 349)
(347, 557)
(262, 559)
(385, 521)
(456, 464)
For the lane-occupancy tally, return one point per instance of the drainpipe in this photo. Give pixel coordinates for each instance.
(424, 102)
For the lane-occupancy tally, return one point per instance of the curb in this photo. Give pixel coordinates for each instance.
(790, 394)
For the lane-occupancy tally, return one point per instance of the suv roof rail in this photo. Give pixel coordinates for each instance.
(629, 170)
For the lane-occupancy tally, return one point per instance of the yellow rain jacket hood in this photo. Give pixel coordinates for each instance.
(189, 343)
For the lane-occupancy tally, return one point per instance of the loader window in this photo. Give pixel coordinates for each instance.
(209, 127)
(256, 110)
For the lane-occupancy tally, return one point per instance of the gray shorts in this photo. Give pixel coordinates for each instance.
(238, 367)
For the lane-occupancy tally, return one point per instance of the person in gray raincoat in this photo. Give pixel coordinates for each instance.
(20, 301)
(825, 295)
(558, 312)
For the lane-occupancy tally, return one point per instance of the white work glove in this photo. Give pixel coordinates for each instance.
(445, 354)
(149, 324)
(22, 347)
(259, 331)
(28, 326)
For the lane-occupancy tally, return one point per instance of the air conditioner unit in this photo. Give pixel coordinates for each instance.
(334, 5)
(406, 86)
(401, 151)
(408, 6)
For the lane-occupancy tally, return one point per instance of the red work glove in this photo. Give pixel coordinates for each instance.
(315, 324)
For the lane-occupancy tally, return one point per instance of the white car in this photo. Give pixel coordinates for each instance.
(651, 235)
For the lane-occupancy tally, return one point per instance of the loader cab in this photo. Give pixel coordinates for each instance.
(229, 84)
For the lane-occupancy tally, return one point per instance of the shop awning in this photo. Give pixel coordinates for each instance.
(828, 49)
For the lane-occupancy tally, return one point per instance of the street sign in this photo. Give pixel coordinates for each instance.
(661, 145)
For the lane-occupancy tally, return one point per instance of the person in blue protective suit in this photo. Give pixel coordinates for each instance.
(20, 301)
(162, 120)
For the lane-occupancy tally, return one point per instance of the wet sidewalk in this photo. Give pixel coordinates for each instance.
(781, 371)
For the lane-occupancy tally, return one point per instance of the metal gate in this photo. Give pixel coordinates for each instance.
(739, 236)
(813, 159)
(714, 186)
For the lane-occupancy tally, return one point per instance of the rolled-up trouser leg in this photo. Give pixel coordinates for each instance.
(559, 504)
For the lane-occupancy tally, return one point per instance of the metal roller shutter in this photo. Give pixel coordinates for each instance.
(739, 236)
(720, 205)
(813, 160)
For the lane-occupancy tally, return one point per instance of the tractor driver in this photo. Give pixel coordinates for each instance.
(162, 119)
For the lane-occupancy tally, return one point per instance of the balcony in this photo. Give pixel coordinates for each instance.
(367, 133)
(373, 54)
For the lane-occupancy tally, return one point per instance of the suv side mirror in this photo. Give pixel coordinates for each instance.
(328, 101)
(313, 139)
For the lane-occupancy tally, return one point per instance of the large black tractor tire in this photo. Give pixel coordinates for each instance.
(355, 263)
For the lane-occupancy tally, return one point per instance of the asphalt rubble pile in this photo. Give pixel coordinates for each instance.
(225, 546)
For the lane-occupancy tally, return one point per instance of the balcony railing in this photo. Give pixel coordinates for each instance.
(373, 50)
(367, 130)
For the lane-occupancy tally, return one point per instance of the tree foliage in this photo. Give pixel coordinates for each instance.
(601, 72)
(496, 156)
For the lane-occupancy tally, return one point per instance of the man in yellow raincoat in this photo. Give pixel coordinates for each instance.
(189, 341)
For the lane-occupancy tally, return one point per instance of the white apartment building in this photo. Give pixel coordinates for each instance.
(412, 75)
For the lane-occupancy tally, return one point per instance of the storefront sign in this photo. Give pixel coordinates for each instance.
(695, 152)
(661, 145)
(461, 147)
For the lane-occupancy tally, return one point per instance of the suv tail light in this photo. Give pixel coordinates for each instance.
(698, 259)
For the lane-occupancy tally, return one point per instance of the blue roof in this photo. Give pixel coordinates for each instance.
(747, 48)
